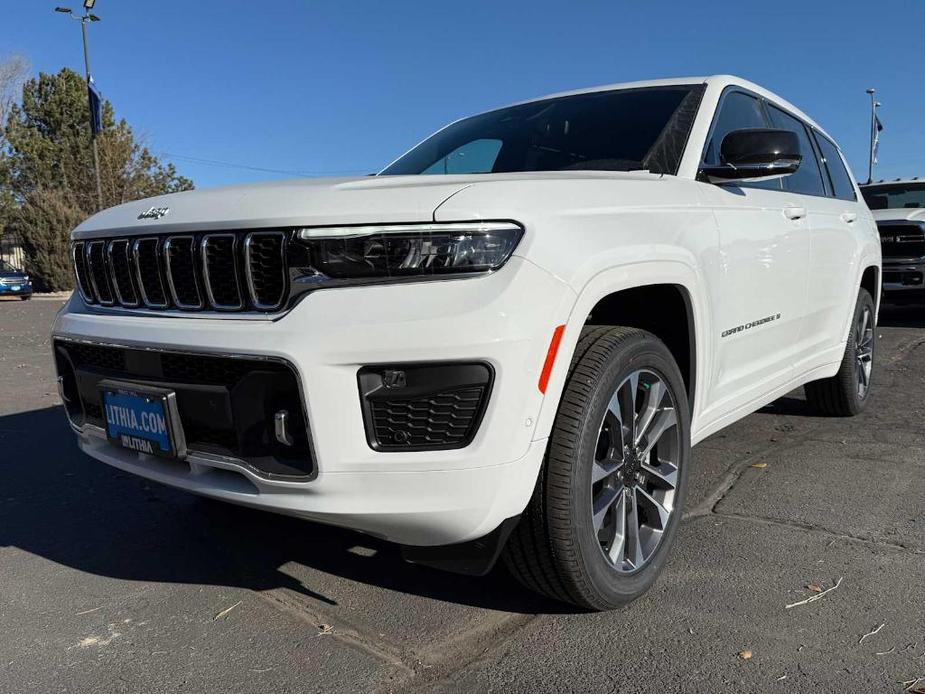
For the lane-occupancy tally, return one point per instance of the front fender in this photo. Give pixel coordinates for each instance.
(613, 280)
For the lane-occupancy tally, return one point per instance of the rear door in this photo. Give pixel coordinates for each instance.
(835, 248)
(759, 300)
(832, 268)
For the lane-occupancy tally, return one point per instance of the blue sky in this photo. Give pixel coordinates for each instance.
(341, 87)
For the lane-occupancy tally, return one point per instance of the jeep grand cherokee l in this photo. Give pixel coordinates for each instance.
(503, 345)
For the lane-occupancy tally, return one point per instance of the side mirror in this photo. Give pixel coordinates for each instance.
(755, 154)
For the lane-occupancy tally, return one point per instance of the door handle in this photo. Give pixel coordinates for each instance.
(794, 212)
(849, 217)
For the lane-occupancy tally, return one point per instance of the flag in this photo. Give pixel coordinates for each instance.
(96, 108)
(878, 126)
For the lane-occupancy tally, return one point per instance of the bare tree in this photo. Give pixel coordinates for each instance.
(13, 72)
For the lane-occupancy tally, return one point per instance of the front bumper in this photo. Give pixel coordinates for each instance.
(24, 289)
(904, 280)
(413, 497)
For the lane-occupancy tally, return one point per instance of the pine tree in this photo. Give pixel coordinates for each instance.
(46, 163)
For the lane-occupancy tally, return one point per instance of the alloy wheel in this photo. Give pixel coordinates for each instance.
(864, 339)
(635, 472)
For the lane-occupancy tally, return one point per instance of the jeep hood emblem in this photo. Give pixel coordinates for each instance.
(154, 213)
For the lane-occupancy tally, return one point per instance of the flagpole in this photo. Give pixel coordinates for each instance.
(873, 135)
(96, 153)
(88, 17)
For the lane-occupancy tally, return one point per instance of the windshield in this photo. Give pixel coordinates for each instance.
(895, 196)
(623, 130)
(6, 267)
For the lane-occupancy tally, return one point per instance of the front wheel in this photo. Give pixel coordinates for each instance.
(846, 393)
(610, 494)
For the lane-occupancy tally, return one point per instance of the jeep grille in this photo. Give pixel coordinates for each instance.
(233, 272)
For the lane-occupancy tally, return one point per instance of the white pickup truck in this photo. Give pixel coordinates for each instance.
(502, 345)
(899, 210)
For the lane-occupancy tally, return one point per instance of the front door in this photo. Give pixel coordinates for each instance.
(759, 300)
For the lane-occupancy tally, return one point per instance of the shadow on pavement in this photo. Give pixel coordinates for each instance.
(899, 316)
(57, 503)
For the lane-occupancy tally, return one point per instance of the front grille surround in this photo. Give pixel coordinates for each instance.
(221, 272)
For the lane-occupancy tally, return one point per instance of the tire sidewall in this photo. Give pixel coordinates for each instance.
(851, 361)
(608, 587)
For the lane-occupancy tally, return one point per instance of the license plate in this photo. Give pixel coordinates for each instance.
(15, 288)
(142, 419)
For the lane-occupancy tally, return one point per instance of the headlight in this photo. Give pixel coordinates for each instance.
(337, 255)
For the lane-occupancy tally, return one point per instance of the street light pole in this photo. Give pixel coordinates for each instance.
(88, 17)
(873, 136)
(96, 153)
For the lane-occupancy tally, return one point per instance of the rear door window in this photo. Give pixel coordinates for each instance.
(838, 172)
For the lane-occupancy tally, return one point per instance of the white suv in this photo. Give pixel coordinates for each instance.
(504, 344)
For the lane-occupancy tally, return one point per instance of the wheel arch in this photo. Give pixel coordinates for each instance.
(604, 298)
(870, 280)
(673, 324)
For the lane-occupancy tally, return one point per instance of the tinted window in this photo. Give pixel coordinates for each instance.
(738, 111)
(895, 196)
(623, 130)
(808, 178)
(841, 179)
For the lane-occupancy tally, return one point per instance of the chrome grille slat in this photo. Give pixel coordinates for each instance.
(266, 282)
(121, 272)
(180, 270)
(79, 258)
(98, 270)
(148, 272)
(223, 288)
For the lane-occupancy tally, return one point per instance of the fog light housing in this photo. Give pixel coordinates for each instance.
(439, 406)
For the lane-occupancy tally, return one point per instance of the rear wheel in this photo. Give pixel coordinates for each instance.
(610, 494)
(846, 393)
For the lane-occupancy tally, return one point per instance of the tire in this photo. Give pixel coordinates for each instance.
(26, 298)
(558, 548)
(846, 393)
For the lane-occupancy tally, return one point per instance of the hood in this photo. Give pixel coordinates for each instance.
(279, 204)
(13, 275)
(912, 214)
(311, 202)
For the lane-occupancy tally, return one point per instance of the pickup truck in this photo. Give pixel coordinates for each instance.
(899, 210)
(503, 345)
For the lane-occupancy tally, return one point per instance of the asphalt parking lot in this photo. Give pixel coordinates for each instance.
(109, 583)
